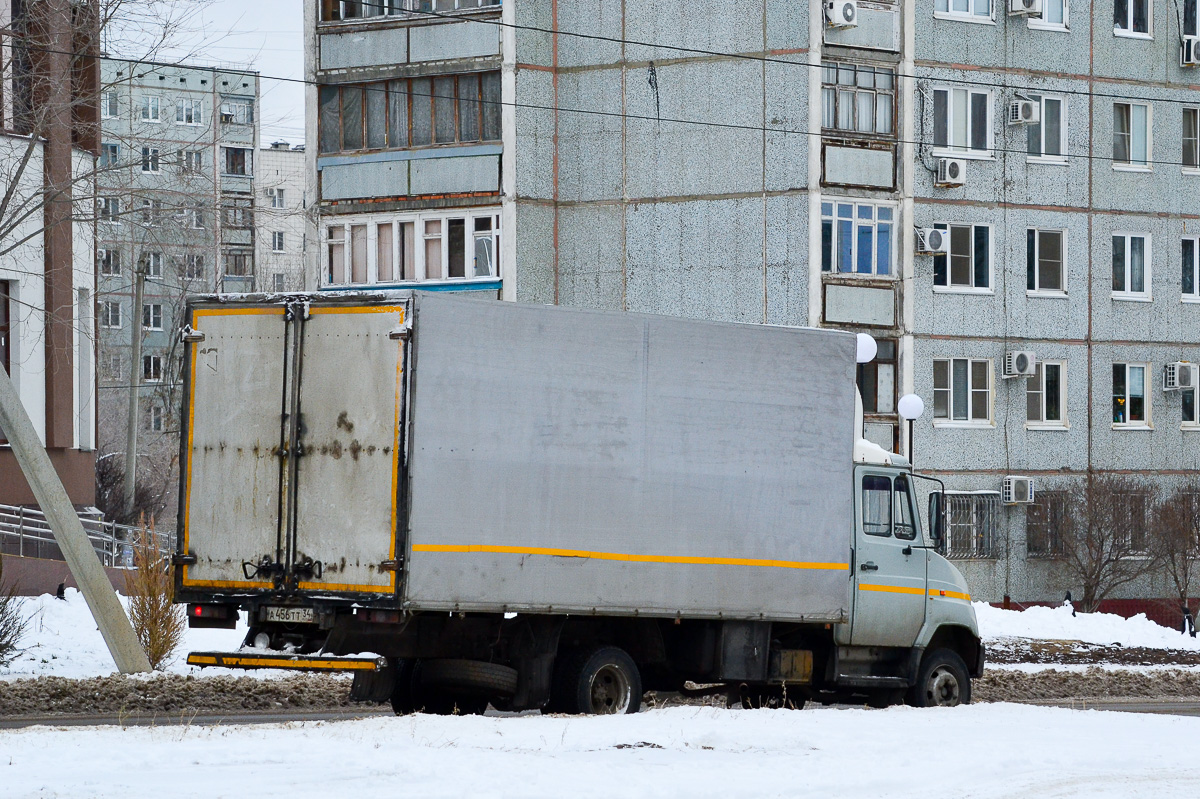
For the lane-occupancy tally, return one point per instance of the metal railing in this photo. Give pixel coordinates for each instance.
(25, 532)
(973, 521)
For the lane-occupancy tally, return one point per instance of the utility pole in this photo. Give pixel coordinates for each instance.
(135, 386)
(68, 532)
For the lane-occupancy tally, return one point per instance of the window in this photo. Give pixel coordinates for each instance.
(856, 238)
(1189, 18)
(155, 421)
(152, 368)
(149, 159)
(1044, 261)
(152, 316)
(239, 263)
(276, 197)
(413, 247)
(969, 9)
(108, 105)
(962, 121)
(1191, 139)
(962, 390)
(335, 10)
(1131, 265)
(238, 161)
(877, 505)
(191, 162)
(151, 212)
(1131, 135)
(1131, 18)
(1045, 518)
(278, 282)
(277, 242)
(877, 380)
(972, 524)
(968, 266)
(110, 155)
(109, 261)
(858, 98)
(110, 210)
(398, 114)
(1055, 15)
(152, 264)
(189, 112)
(110, 313)
(1191, 268)
(1130, 405)
(196, 216)
(1045, 395)
(112, 364)
(237, 112)
(150, 109)
(1129, 520)
(238, 214)
(1188, 399)
(1047, 140)
(193, 267)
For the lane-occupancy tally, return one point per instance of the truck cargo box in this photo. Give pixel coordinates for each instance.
(443, 453)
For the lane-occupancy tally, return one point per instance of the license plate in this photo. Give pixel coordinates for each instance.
(291, 615)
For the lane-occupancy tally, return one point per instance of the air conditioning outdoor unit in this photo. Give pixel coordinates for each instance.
(1178, 376)
(1020, 363)
(1017, 490)
(951, 172)
(1024, 112)
(1025, 8)
(843, 13)
(931, 241)
(1189, 52)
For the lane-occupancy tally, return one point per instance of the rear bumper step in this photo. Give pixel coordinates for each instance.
(278, 660)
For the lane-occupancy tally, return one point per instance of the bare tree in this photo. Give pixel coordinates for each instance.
(1176, 540)
(1105, 538)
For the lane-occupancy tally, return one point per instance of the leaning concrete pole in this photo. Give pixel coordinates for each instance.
(68, 532)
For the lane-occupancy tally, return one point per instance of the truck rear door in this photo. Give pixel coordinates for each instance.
(890, 562)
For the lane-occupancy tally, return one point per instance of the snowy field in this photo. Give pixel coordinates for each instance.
(978, 751)
(987, 750)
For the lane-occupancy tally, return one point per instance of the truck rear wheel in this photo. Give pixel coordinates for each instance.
(470, 676)
(599, 681)
(943, 681)
(402, 689)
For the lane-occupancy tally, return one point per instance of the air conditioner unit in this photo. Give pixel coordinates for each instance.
(1178, 376)
(843, 13)
(1025, 8)
(951, 172)
(1024, 112)
(1017, 490)
(1189, 52)
(1020, 364)
(931, 241)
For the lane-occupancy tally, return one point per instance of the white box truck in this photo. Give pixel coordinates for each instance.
(543, 507)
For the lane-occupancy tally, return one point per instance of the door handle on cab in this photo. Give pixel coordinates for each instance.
(869, 567)
(906, 551)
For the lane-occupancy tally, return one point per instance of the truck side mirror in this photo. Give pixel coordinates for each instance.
(936, 519)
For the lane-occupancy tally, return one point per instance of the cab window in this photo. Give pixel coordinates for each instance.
(877, 505)
(906, 524)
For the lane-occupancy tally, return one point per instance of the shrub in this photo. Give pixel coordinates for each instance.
(159, 623)
(12, 622)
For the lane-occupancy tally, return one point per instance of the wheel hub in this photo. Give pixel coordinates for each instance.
(943, 688)
(610, 691)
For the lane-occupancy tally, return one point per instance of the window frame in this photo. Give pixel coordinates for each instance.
(886, 361)
(151, 162)
(277, 241)
(110, 105)
(153, 264)
(1194, 295)
(969, 420)
(110, 309)
(1129, 33)
(1041, 157)
(1037, 290)
(151, 368)
(236, 111)
(1194, 394)
(1127, 294)
(1132, 165)
(187, 107)
(839, 89)
(1145, 423)
(1185, 167)
(949, 149)
(247, 161)
(945, 262)
(150, 103)
(1040, 376)
(1040, 23)
(152, 316)
(193, 266)
(156, 422)
(831, 214)
(110, 155)
(110, 210)
(1190, 6)
(108, 261)
(404, 9)
(1052, 506)
(966, 16)
(983, 529)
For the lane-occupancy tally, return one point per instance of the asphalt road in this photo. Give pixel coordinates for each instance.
(1169, 707)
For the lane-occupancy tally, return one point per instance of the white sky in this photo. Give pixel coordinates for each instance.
(265, 35)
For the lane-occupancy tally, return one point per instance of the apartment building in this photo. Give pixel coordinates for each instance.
(1000, 192)
(176, 202)
(281, 218)
(47, 286)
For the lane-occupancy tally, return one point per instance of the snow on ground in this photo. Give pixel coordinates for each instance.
(980, 751)
(1057, 624)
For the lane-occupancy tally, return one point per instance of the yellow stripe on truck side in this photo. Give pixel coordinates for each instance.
(235, 661)
(620, 556)
(933, 593)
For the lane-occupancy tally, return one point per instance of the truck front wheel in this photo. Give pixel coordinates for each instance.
(943, 681)
(599, 681)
